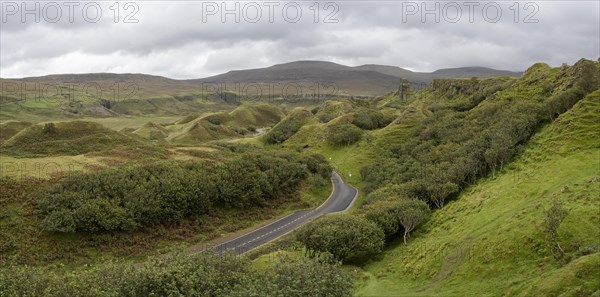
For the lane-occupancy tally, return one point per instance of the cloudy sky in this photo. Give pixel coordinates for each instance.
(193, 39)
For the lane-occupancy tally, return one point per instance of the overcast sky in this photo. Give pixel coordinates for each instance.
(191, 40)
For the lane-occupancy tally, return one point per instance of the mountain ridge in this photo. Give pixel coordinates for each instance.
(366, 80)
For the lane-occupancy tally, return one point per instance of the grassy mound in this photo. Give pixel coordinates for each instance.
(202, 130)
(64, 138)
(9, 129)
(152, 130)
(491, 239)
(289, 126)
(221, 125)
(332, 109)
(258, 115)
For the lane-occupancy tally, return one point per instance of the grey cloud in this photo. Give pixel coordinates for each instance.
(172, 40)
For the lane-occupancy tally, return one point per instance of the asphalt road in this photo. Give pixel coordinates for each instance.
(341, 199)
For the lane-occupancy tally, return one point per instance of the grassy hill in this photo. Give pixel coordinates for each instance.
(9, 129)
(490, 241)
(256, 115)
(152, 130)
(244, 119)
(289, 125)
(64, 138)
(201, 130)
(100, 95)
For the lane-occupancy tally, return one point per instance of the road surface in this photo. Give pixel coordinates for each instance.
(341, 199)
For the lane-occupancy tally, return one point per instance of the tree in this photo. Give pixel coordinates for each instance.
(390, 191)
(438, 192)
(411, 213)
(49, 128)
(347, 237)
(384, 213)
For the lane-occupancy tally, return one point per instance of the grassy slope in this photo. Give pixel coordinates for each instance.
(257, 115)
(490, 240)
(66, 138)
(9, 129)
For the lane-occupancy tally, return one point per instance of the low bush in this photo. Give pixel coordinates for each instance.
(343, 134)
(347, 237)
(177, 275)
(130, 197)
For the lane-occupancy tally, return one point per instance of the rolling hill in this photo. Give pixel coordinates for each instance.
(64, 138)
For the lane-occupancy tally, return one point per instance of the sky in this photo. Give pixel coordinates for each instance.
(195, 39)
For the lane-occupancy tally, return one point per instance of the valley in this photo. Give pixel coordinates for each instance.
(456, 179)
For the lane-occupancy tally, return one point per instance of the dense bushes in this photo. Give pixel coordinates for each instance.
(130, 197)
(196, 275)
(339, 134)
(451, 149)
(348, 238)
(391, 214)
(126, 198)
(369, 119)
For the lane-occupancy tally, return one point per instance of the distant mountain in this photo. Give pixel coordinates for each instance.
(360, 80)
(300, 77)
(311, 76)
(466, 72)
(127, 84)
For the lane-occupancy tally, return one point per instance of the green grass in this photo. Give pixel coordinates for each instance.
(152, 130)
(133, 122)
(9, 129)
(64, 138)
(489, 241)
(46, 167)
(256, 115)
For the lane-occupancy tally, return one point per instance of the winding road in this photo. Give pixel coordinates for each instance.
(340, 200)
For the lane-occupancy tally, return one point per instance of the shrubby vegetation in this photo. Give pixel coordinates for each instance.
(475, 131)
(393, 214)
(369, 119)
(451, 148)
(177, 275)
(339, 134)
(130, 197)
(348, 238)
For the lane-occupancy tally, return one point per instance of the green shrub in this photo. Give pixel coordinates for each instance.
(134, 196)
(202, 274)
(369, 119)
(349, 238)
(342, 134)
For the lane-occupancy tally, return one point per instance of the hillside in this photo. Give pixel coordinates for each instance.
(100, 95)
(9, 129)
(105, 95)
(243, 120)
(490, 239)
(64, 138)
